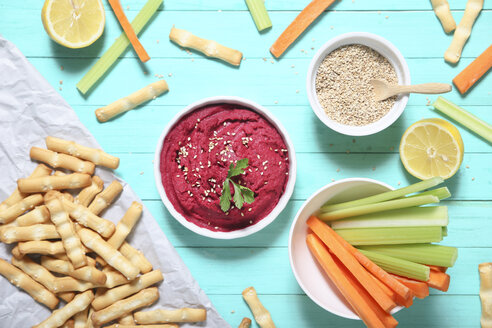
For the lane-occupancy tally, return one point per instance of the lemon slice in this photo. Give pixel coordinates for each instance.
(431, 147)
(73, 23)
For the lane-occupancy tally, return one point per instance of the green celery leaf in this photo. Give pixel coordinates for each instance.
(239, 169)
(248, 194)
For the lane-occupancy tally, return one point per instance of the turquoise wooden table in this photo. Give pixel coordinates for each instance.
(224, 268)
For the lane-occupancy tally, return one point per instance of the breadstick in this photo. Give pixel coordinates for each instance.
(114, 258)
(89, 323)
(261, 314)
(168, 325)
(41, 247)
(118, 293)
(52, 194)
(485, 272)
(87, 194)
(80, 319)
(136, 257)
(463, 31)
(37, 215)
(70, 323)
(16, 196)
(65, 161)
(96, 156)
(10, 235)
(70, 284)
(60, 316)
(37, 272)
(124, 227)
(245, 323)
(116, 310)
(131, 101)
(207, 47)
(15, 253)
(443, 13)
(21, 280)
(88, 219)
(127, 319)
(66, 230)
(66, 296)
(87, 273)
(126, 224)
(113, 278)
(43, 184)
(106, 197)
(166, 316)
(28, 203)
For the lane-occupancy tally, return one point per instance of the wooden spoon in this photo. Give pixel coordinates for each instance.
(383, 90)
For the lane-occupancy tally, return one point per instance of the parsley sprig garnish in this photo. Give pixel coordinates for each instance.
(242, 194)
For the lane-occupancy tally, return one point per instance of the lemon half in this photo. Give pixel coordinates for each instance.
(73, 23)
(431, 147)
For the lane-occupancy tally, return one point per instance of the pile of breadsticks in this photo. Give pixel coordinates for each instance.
(65, 250)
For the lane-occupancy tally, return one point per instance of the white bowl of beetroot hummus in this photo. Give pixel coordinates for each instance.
(310, 276)
(194, 155)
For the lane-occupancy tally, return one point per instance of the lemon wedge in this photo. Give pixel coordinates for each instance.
(73, 23)
(431, 147)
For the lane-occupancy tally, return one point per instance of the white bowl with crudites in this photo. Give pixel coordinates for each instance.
(385, 49)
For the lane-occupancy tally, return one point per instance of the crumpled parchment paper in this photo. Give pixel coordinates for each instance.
(30, 110)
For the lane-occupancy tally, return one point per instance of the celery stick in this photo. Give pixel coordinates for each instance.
(259, 14)
(391, 236)
(429, 254)
(393, 194)
(465, 118)
(441, 193)
(400, 267)
(119, 46)
(407, 217)
(378, 207)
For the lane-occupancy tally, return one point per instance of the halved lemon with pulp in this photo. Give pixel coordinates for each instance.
(73, 23)
(431, 147)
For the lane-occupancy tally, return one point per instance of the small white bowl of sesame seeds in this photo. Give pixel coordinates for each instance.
(338, 89)
(193, 158)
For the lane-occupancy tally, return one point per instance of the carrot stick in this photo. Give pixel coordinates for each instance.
(386, 318)
(438, 268)
(438, 280)
(358, 303)
(305, 18)
(130, 33)
(473, 72)
(326, 234)
(419, 289)
(394, 296)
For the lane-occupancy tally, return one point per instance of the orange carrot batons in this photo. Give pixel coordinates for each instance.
(350, 293)
(305, 18)
(419, 288)
(130, 33)
(439, 280)
(386, 318)
(327, 235)
(438, 268)
(473, 72)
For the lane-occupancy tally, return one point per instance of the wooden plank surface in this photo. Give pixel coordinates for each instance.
(322, 155)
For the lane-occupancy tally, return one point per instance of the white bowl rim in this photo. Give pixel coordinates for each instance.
(386, 120)
(284, 199)
(291, 232)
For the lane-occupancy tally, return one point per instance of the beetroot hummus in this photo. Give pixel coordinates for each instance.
(195, 159)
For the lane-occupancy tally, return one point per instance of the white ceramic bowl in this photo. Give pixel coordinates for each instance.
(386, 49)
(308, 274)
(283, 199)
